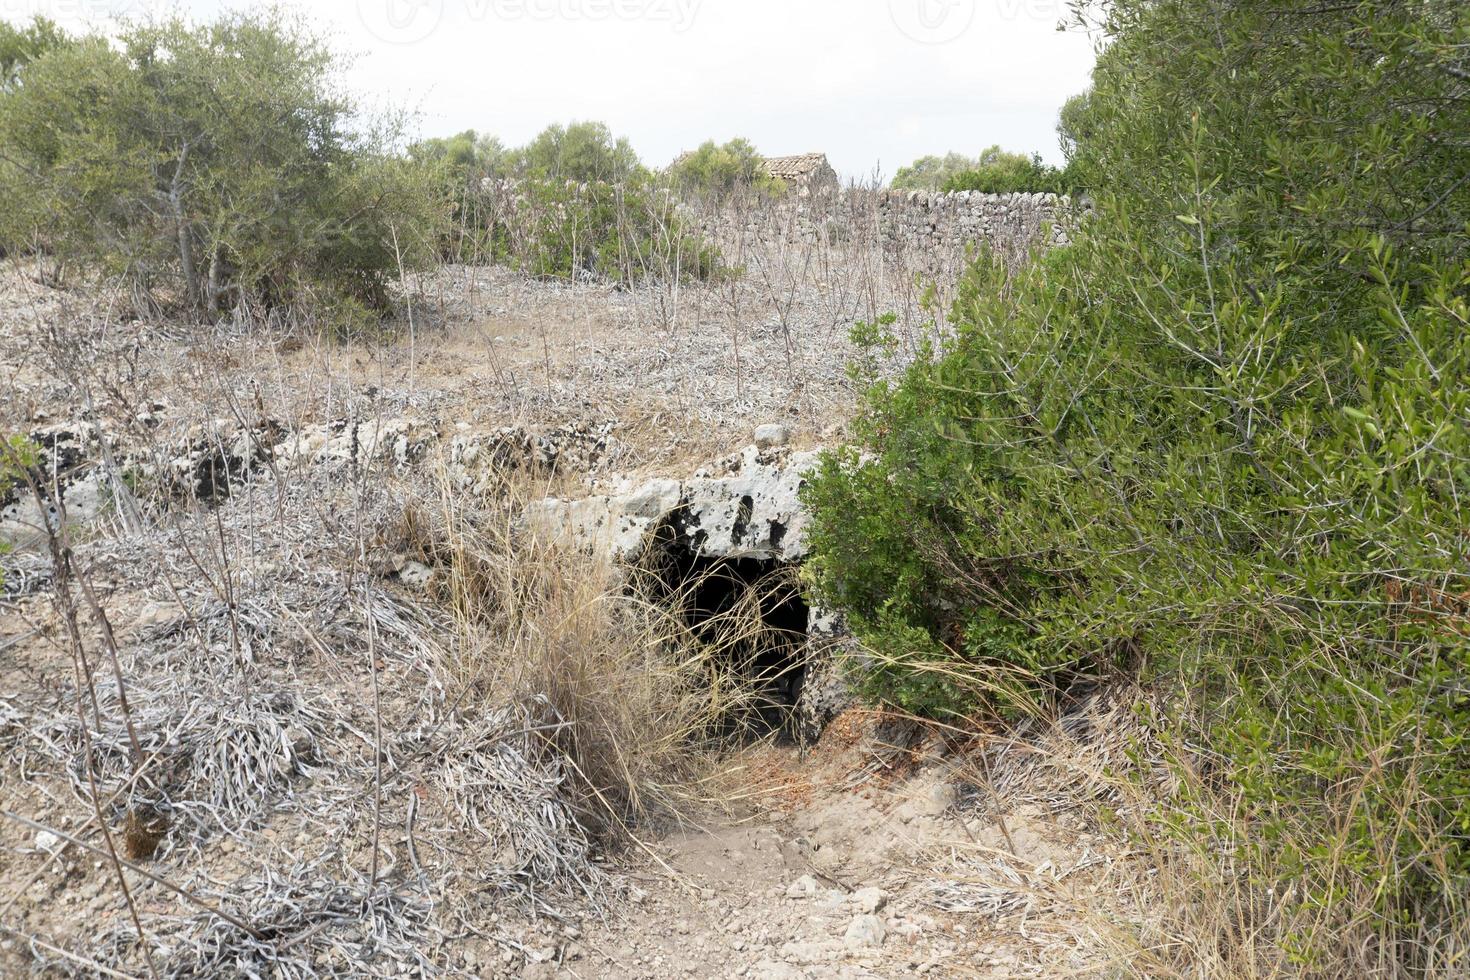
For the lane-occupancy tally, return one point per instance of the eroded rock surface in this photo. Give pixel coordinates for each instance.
(745, 506)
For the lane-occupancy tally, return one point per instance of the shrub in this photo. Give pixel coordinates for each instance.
(584, 152)
(994, 171)
(215, 161)
(17, 453)
(621, 232)
(999, 172)
(717, 170)
(931, 172)
(1223, 440)
(469, 156)
(19, 46)
(575, 201)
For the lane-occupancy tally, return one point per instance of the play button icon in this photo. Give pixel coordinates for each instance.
(400, 21)
(932, 21)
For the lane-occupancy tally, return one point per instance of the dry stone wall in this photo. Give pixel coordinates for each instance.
(936, 228)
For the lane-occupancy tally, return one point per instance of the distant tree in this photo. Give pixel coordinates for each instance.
(468, 154)
(994, 171)
(720, 169)
(585, 152)
(1074, 123)
(930, 173)
(999, 172)
(217, 161)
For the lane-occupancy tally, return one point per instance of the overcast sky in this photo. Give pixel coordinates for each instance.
(872, 83)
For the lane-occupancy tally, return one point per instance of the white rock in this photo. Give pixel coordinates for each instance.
(865, 930)
(939, 798)
(803, 887)
(415, 574)
(47, 841)
(870, 899)
(753, 511)
(772, 434)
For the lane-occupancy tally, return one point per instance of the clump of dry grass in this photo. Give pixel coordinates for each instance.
(304, 922)
(1176, 897)
(612, 682)
(1211, 909)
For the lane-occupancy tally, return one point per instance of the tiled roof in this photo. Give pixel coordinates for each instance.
(796, 167)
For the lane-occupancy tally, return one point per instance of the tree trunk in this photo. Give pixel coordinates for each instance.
(212, 290)
(186, 235)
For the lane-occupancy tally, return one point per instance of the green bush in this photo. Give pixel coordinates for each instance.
(582, 152)
(469, 156)
(1223, 440)
(931, 172)
(214, 162)
(994, 171)
(624, 232)
(19, 46)
(574, 201)
(718, 170)
(999, 172)
(17, 453)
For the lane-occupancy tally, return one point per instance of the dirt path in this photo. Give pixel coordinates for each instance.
(862, 861)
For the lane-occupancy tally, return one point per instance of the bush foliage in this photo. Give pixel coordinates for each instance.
(625, 232)
(718, 170)
(994, 171)
(216, 163)
(1222, 439)
(997, 172)
(575, 201)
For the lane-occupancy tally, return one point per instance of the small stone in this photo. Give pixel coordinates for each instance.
(47, 841)
(870, 899)
(772, 434)
(865, 930)
(941, 797)
(416, 575)
(803, 887)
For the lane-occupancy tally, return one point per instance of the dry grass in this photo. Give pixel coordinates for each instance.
(1155, 882)
(633, 702)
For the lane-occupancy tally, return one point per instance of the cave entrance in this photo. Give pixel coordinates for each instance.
(749, 615)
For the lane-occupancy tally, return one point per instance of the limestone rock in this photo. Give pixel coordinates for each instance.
(870, 899)
(803, 887)
(865, 930)
(747, 506)
(772, 435)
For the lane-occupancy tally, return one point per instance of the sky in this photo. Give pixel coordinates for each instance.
(874, 84)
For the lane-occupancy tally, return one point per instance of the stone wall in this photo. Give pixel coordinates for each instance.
(925, 231)
(936, 228)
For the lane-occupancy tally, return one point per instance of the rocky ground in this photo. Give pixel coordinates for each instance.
(333, 808)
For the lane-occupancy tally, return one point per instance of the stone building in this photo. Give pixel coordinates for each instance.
(804, 173)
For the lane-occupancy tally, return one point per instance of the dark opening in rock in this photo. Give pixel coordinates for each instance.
(749, 613)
